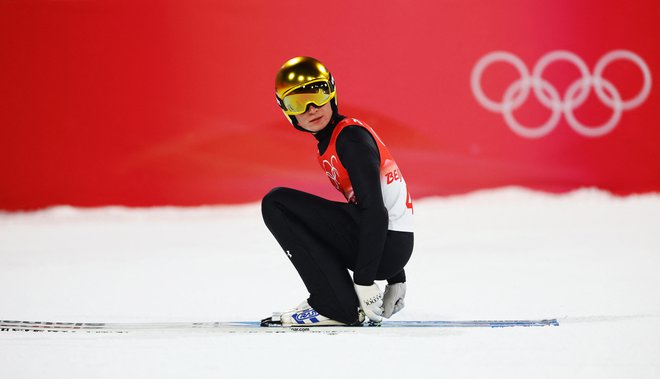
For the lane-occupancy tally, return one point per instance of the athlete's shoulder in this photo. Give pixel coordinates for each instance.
(355, 133)
(356, 138)
(350, 121)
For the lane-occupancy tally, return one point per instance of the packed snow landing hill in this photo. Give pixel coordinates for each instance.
(586, 258)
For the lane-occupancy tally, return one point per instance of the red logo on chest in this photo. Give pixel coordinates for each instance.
(332, 171)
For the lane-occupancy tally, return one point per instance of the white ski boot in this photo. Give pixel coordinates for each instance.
(305, 315)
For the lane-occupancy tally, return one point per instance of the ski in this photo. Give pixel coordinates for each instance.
(255, 326)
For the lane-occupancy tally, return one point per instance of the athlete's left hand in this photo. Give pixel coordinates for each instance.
(393, 299)
(371, 301)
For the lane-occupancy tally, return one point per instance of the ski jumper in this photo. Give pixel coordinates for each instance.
(370, 235)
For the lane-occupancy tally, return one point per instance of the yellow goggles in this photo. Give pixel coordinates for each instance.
(295, 101)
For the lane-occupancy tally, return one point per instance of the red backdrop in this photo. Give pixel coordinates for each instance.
(154, 102)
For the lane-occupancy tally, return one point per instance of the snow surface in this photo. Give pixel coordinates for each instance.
(587, 257)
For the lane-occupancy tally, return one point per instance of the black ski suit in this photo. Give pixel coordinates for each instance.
(324, 239)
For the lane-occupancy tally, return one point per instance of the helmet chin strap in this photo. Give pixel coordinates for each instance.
(335, 113)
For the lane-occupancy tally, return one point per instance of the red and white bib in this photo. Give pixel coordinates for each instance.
(395, 192)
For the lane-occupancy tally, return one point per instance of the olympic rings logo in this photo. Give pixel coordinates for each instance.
(576, 93)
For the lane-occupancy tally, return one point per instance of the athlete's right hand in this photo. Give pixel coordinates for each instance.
(393, 298)
(371, 301)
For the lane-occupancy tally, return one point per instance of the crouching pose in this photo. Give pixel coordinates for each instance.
(370, 235)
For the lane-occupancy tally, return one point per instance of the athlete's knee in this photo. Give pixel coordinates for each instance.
(274, 198)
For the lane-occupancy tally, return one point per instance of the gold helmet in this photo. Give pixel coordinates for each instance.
(302, 81)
